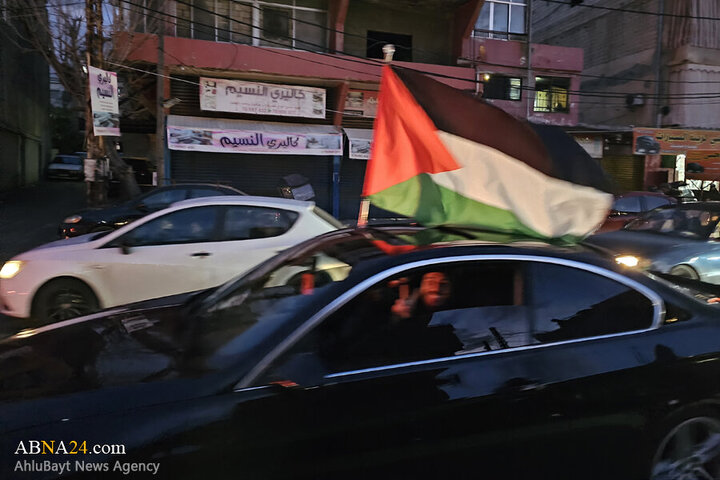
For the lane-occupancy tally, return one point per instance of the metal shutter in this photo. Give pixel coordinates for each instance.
(254, 174)
(627, 171)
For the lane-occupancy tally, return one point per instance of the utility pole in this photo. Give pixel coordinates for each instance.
(96, 191)
(160, 107)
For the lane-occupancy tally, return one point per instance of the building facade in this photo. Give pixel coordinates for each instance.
(309, 70)
(651, 68)
(24, 110)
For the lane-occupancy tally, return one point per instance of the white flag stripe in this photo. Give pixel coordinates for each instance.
(550, 206)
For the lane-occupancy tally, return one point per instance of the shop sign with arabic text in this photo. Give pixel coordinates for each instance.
(672, 141)
(236, 96)
(249, 141)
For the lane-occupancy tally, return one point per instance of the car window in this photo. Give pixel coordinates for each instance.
(190, 225)
(418, 315)
(654, 202)
(569, 303)
(245, 222)
(162, 199)
(487, 306)
(627, 205)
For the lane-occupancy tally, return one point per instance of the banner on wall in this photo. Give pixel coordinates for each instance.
(221, 95)
(652, 141)
(104, 102)
(361, 103)
(360, 141)
(237, 136)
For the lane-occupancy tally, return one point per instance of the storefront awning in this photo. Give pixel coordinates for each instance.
(360, 140)
(202, 134)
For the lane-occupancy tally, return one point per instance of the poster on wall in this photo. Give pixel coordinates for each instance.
(257, 140)
(104, 102)
(361, 103)
(221, 95)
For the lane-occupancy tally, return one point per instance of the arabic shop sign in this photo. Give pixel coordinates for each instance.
(104, 102)
(253, 141)
(651, 141)
(361, 103)
(220, 95)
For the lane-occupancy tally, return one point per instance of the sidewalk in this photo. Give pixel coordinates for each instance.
(29, 216)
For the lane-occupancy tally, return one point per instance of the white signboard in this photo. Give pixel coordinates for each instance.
(104, 102)
(253, 141)
(360, 140)
(236, 96)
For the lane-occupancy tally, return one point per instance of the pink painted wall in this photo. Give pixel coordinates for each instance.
(245, 58)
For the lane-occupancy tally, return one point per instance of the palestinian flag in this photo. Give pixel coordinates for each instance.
(444, 157)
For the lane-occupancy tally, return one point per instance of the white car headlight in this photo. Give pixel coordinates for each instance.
(73, 219)
(632, 261)
(11, 268)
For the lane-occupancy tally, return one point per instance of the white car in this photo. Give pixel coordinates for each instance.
(191, 245)
(66, 166)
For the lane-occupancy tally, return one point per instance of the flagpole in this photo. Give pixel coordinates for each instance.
(388, 51)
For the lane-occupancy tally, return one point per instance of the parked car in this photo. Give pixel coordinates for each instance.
(628, 206)
(543, 362)
(647, 145)
(66, 167)
(191, 245)
(682, 240)
(109, 218)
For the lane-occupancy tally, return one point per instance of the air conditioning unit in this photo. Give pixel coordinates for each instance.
(634, 100)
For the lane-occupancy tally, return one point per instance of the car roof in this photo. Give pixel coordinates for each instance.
(197, 185)
(483, 244)
(705, 205)
(276, 202)
(640, 193)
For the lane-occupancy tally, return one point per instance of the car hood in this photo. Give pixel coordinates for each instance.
(116, 366)
(108, 214)
(68, 243)
(638, 243)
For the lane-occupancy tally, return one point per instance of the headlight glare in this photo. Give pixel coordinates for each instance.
(632, 261)
(10, 269)
(73, 219)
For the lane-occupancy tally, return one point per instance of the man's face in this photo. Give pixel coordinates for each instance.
(434, 289)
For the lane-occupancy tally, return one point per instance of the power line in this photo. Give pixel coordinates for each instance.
(363, 61)
(628, 10)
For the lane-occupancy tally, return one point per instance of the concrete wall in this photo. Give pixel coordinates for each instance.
(24, 114)
(615, 44)
(431, 31)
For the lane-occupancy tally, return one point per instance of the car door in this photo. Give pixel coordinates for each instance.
(164, 256)
(368, 394)
(248, 235)
(591, 341)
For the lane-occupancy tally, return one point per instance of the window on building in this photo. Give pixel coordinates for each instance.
(501, 19)
(377, 40)
(300, 24)
(552, 94)
(500, 87)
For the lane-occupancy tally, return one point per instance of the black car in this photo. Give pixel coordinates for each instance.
(376, 354)
(647, 145)
(109, 218)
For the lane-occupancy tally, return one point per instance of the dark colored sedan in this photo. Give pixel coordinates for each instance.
(630, 205)
(110, 218)
(360, 355)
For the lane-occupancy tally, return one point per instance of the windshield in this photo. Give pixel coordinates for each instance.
(696, 223)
